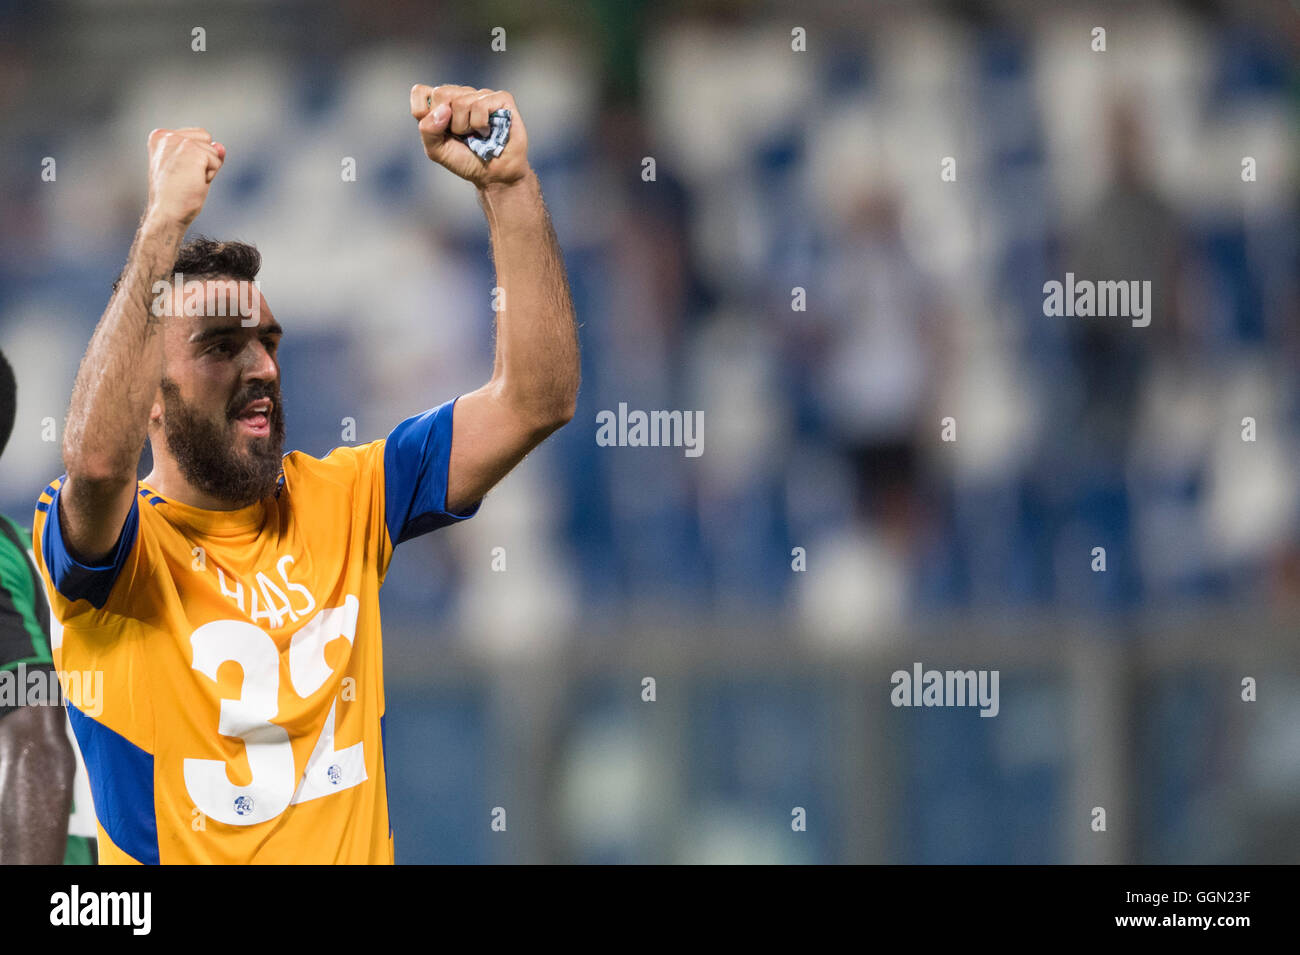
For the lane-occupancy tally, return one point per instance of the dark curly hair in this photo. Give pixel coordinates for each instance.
(204, 258)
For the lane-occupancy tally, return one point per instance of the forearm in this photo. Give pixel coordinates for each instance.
(36, 775)
(120, 372)
(536, 370)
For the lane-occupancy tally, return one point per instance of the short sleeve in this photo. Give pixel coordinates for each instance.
(417, 457)
(71, 578)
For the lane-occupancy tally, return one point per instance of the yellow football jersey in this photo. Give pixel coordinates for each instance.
(238, 713)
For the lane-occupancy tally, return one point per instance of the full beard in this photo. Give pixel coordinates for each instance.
(208, 455)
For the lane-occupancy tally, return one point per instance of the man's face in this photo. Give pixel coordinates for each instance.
(220, 408)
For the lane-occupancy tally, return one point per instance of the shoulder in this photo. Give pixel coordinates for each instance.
(67, 575)
(341, 466)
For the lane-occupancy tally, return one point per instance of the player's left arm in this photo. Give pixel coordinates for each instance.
(534, 384)
(37, 765)
(36, 774)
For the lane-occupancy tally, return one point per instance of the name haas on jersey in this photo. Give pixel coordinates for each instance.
(269, 601)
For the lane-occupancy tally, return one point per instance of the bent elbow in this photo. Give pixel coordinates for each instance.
(543, 418)
(558, 415)
(564, 414)
(542, 426)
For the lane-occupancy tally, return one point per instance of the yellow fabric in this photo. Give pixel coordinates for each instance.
(225, 655)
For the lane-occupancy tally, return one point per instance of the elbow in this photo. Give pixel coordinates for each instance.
(566, 404)
(546, 422)
(564, 413)
(564, 408)
(541, 415)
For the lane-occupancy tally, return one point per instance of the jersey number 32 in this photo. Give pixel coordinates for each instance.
(275, 784)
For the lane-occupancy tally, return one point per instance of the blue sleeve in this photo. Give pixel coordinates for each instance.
(71, 577)
(417, 456)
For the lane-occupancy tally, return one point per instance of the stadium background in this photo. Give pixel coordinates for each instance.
(774, 169)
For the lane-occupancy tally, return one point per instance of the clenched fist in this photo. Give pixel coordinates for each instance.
(182, 164)
(461, 110)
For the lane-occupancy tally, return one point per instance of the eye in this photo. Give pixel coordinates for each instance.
(226, 347)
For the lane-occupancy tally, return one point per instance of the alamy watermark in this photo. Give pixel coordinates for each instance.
(210, 297)
(1084, 299)
(651, 429)
(131, 909)
(923, 687)
(42, 686)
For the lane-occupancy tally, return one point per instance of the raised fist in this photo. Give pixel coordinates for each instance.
(182, 164)
(445, 112)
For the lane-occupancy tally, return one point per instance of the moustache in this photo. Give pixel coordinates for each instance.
(243, 402)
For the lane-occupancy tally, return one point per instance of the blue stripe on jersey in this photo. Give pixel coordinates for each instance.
(417, 455)
(74, 579)
(121, 782)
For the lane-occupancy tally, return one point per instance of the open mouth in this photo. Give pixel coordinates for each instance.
(256, 417)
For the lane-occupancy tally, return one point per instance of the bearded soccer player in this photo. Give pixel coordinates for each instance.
(231, 598)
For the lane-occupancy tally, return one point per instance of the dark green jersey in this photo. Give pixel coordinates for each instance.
(24, 612)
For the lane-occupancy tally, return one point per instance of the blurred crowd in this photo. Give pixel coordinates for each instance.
(795, 266)
(838, 254)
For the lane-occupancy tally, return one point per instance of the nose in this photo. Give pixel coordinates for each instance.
(261, 364)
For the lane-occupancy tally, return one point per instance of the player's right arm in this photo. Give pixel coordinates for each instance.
(108, 417)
